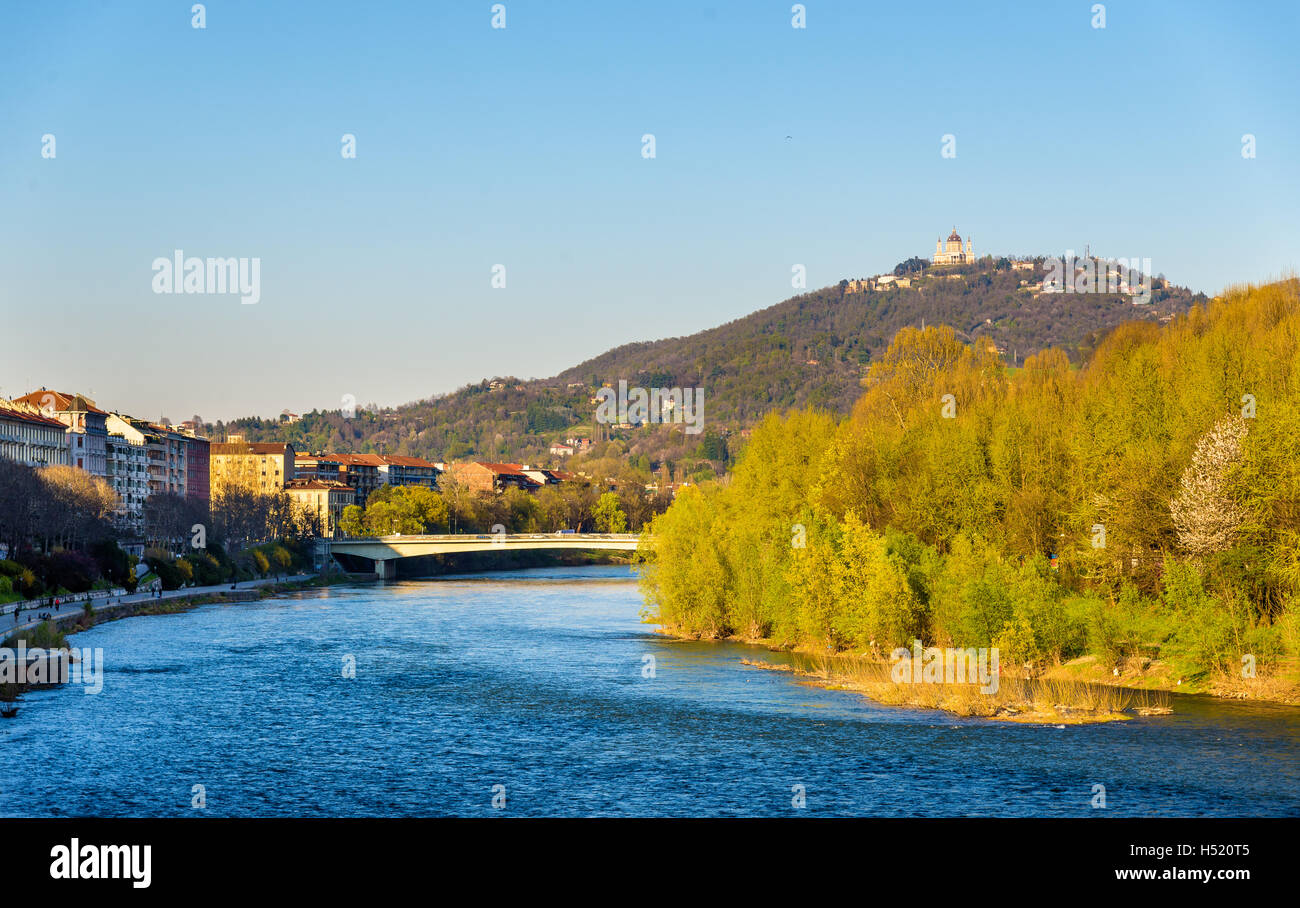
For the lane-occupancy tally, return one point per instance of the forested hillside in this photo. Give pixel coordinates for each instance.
(811, 350)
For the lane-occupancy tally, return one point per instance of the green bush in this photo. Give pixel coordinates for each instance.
(166, 569)
(44, 635)
(1265, 644)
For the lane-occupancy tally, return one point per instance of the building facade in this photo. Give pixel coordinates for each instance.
(29, 437)
(322, 501)
(365, 473)
(128, 474)
(166, 460)
(483, 476)
(198, 466)
(399, 470)
(85, 423)
(261, 467)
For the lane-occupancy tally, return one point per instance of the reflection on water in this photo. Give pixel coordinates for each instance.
(534, 680)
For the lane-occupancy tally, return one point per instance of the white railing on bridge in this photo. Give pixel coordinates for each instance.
(454, 537)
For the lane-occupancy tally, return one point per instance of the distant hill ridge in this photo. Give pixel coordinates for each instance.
(811, 349)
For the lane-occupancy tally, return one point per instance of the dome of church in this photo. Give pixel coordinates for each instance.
(954, 237)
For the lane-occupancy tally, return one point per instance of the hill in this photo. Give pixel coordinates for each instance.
(810, 350)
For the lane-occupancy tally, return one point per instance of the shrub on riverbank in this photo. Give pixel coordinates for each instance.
(44, 635)
(1145, 505)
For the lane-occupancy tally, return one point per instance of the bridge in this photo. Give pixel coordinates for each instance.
(385, 551)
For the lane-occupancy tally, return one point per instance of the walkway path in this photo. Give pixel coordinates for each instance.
(29, 616)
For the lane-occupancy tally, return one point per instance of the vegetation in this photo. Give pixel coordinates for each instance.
(572, 505)
(1016, 699)
(809, 351)
(1145, 505)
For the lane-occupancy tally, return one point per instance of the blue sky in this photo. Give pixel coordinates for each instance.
(522, 146)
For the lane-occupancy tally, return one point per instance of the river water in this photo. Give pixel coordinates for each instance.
(537, 681)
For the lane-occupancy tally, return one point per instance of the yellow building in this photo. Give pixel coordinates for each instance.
(321, 501)
(260, 467)
(951, 253)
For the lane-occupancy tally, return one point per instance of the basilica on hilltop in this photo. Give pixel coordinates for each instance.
(950, 253)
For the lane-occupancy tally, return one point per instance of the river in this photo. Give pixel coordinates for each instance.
(538, 681)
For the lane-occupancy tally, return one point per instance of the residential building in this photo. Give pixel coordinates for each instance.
(29, 437)
(481, 476)
(542, 477)
(86, 426)
(128, 474)
(198, 466)
(317, 466)
(401, 470)
(560, 450)
(264, 467)
(360, 471)
(322, 500)
(367, 472)
(165, 451)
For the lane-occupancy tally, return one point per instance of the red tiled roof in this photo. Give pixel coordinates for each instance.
(356, 460)
(402, 460)
(318, 485)
(510, 468)
(61, 401)
(33, 415)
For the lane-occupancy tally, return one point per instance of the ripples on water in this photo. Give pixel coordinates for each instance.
(533, 680)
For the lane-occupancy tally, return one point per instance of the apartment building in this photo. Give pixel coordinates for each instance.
(323, 500)
(264, 467)
(85, 424)
(399, 470)
(128, 474)
(29, 437)
(198, 466)
(166, 458)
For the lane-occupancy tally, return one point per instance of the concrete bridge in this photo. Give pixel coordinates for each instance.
(385, 551)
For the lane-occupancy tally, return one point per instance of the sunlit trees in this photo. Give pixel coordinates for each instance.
(608, 515)
(1151, 496)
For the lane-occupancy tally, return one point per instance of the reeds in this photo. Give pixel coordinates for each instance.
(1015, 699)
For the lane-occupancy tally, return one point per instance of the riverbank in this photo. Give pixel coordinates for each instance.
(51, 633)
(1081, 690)
(1036, 701)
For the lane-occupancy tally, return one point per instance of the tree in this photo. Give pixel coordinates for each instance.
(608, 514)
(1207, 517)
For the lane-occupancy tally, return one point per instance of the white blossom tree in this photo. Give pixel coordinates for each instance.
(1204, 511)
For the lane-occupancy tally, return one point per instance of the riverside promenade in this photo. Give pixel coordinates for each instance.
(71, 606)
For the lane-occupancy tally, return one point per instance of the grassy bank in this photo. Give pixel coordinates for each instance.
(1043, 700)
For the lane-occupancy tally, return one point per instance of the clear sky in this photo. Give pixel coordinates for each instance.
(522, 146)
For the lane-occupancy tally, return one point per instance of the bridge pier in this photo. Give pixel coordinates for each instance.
(386, 568)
